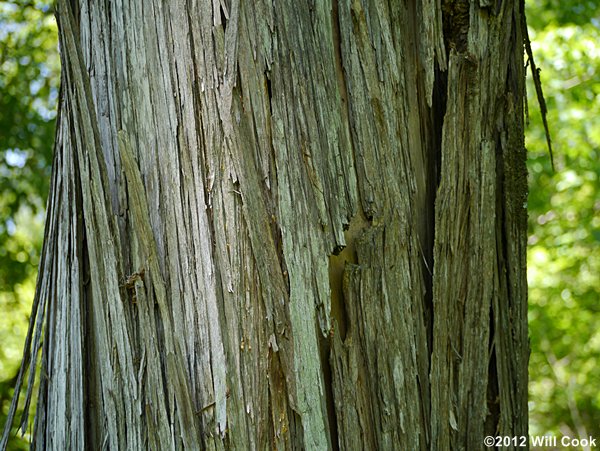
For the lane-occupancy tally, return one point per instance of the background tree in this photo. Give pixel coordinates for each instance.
(291, 225)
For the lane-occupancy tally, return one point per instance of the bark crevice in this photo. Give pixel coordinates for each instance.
(455, 19)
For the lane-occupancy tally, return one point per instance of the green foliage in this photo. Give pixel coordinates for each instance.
(29, 68)
(543, 14)
(13, 329)
(564, 221)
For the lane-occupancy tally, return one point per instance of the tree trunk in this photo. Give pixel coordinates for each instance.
(285, 225)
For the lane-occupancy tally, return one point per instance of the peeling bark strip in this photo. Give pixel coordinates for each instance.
(284, 225)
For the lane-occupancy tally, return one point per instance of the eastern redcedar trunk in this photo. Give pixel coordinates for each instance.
(285, 225)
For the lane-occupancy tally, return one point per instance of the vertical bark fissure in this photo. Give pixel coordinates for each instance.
(495, 403)
(325, 354)
(437, 113)
(455, 19)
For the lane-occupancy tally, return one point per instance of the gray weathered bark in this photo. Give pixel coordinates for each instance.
(289, 225)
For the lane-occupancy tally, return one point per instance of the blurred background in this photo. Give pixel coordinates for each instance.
(29, 81)
(564, 220)
(564, 206)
